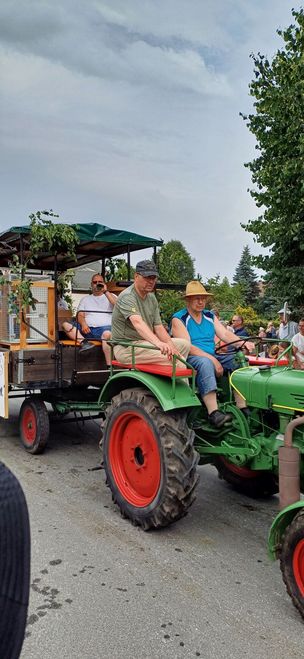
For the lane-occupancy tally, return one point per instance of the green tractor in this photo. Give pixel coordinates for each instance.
(156, 431)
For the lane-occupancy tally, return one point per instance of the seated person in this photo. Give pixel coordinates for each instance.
(200, 327)
(136, 318)
(298, 347)
(94, 315)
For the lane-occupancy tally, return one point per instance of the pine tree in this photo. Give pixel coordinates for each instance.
(246, 277)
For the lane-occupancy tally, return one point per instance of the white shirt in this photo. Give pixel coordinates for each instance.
(298, 342)
(287, 331)
(100, 307)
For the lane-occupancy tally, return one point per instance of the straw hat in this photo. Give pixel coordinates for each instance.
(196, 288)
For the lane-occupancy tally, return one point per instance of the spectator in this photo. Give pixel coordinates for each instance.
(298, 346)
(288, 328)
(271, 331)
(238, 326)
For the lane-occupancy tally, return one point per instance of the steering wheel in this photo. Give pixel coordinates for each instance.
(240, 342)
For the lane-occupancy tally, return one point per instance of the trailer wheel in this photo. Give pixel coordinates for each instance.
(255, 484)
(34, 425)
(292, 561)
(149, 459)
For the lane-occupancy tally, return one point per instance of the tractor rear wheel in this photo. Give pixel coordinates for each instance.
(34, 425)
(149, 459)
(292, 561)
(255, 484)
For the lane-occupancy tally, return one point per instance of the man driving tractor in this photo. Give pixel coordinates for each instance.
(195, 324)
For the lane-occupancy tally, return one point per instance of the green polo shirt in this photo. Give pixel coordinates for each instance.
(129, 303)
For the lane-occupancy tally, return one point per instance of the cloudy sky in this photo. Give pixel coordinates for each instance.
(126, 112)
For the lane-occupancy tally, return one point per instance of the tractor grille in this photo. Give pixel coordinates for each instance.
(299, 398)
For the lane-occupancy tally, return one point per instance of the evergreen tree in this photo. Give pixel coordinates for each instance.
(246, 277)
(175, 265)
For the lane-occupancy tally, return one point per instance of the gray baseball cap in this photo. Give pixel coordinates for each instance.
(146, 269)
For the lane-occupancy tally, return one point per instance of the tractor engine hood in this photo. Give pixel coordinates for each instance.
(280, 388)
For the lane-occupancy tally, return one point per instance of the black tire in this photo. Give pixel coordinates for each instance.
(14, 564)
(152, 440)
(292, 561)
(34, 425)
(254, 484)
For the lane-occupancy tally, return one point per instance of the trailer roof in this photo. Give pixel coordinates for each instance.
(96, 241)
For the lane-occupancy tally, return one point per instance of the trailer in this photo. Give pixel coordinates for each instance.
(36, 361)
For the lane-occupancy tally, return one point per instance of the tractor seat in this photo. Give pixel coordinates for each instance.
(253, 360)
(156, 369)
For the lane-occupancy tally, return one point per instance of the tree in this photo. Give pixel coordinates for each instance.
(116, 269)
(175, 266)
(278, 171)
(246, 277)
(226, 297)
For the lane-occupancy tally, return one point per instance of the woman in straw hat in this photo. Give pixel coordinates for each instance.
(201, 326)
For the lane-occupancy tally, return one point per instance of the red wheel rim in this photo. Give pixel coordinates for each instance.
(244, 472)
(298, 566)
(29, 426)
(135, 459)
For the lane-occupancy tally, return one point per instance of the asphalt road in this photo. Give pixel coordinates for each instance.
(101, 588)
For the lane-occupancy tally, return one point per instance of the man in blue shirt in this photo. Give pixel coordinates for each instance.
(201, 326)
(238, 326)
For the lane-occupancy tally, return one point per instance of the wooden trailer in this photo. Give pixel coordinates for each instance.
(35, 359)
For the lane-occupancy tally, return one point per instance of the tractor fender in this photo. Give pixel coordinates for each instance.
(160, 387)
(278, 527)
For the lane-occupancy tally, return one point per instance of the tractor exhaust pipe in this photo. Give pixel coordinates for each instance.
(289, 467)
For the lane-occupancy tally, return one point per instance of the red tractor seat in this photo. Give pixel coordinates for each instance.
(253, 360)
(156, 369)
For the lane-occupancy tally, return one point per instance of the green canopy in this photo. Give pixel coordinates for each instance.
(96, 241)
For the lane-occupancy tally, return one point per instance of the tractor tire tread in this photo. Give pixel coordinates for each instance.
(180, 456)
(294, 528)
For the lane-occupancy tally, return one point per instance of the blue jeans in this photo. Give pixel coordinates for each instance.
(95, 332)
(205, 371)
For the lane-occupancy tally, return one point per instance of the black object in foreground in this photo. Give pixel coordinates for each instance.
(14, 564)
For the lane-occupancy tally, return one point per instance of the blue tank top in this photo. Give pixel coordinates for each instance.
(201, 334)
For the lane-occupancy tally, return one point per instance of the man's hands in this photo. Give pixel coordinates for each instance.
(168, 349)
(218, 367)
(85, 328)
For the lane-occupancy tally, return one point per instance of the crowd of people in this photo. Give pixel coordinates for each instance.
(195, 333)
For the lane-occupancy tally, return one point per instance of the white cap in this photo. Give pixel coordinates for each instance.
(285, 311)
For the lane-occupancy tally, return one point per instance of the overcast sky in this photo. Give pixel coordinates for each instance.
(126, 112)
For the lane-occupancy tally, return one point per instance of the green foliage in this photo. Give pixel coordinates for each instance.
(117, 270)
(278, 170)
(49, 237)
(169, 303)
(45, 237)
(226, 296)
(246, 277)
(175, 266)
(64, 282)
(252, 321)
(174, 263)
(20, 293)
